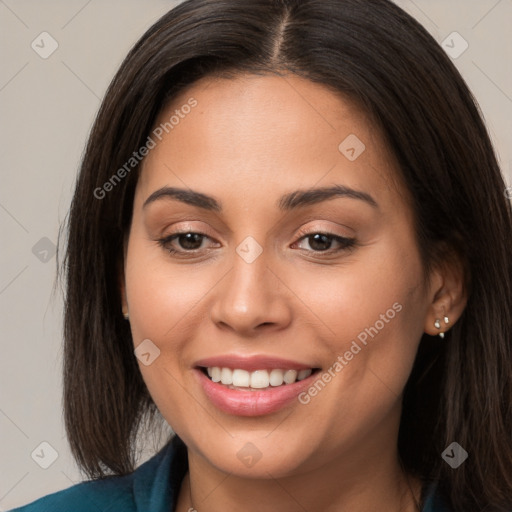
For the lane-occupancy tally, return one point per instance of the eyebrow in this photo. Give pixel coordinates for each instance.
(185, 196)
(287, 202)
(317, 195)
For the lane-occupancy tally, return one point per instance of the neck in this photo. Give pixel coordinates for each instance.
(378, 484)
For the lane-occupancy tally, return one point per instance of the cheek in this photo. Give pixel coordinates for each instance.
(167, 305)
(162, 296)
(371, 322)
(374, 310)
(376, 290)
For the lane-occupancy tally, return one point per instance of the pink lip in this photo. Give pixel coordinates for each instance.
(251, 403)
(251, 363)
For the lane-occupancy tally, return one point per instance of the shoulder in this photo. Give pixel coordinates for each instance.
(152, 486)
(87, 497)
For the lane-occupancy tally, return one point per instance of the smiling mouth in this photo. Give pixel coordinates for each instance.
(259, 380)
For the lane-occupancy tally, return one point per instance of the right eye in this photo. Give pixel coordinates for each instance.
(183, 242)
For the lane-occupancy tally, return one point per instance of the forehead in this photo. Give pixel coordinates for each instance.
(266, 132)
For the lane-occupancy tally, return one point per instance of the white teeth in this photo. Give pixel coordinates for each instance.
(259, 379)
(216, 374)
(276, 377)
(303, 374)
(226, 376)
(241, 378)
(290, 376)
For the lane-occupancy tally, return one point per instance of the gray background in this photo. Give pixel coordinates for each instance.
(47, 108)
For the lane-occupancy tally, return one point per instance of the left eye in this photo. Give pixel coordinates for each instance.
(322, 242)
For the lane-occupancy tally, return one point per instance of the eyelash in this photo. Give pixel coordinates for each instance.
(345, 243)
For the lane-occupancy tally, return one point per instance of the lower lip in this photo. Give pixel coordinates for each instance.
(252, 403)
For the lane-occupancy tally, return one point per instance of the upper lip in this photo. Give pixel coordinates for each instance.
(251, 363)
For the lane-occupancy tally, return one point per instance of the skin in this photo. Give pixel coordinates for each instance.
(249, 140)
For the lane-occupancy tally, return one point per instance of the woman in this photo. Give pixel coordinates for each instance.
(290, 238)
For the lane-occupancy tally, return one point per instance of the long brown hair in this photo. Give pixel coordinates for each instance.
(377, 55)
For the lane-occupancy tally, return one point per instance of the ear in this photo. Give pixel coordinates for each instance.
(447, 295)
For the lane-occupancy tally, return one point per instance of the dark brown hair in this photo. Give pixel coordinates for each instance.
(377, 55)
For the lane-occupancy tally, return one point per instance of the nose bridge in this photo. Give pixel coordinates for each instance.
(250, 296)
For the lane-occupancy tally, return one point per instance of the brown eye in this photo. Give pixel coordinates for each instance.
(323, 242)
(181, 243)
(190, 241)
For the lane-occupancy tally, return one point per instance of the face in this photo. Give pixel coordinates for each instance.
(288, 249)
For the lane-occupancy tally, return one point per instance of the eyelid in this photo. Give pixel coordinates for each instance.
(326, 231)
(183, 227)
(176, 234)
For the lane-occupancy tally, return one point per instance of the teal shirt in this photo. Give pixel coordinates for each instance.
(152, 487)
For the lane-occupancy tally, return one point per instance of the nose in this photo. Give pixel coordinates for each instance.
(252, 298)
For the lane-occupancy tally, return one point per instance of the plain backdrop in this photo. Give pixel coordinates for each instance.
(47, 108)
